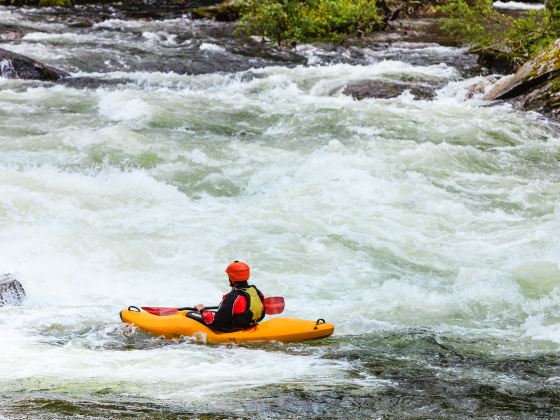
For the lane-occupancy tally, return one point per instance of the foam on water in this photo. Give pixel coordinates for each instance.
(517, 5)
(267, 184)
(133, 372)
(120, 24)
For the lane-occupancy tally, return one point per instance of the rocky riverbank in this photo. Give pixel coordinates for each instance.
(534, 87)
(193, 46)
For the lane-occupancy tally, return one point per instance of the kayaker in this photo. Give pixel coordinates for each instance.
(240, 309)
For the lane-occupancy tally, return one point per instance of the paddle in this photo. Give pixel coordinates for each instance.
(273, 305)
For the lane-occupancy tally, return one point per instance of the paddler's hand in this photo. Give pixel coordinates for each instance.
(199, 308)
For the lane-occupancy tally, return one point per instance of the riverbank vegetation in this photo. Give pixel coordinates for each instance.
(60, 3)
(476, 23)
(293, 20)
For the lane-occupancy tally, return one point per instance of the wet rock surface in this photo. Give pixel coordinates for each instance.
(11, 291)
(535, 86)
(498, 62)
(388, 89)
(228, 11)
(17, 66)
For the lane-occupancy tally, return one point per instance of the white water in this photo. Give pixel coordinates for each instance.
(373, 214)
(516, 5)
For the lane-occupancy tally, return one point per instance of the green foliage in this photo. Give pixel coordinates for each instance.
(471, 23)
(479, 25)
(61, 3)
(292, 20)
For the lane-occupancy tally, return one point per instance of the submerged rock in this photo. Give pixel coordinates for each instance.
(17, 66)
(535, 86)
(385, 90)
(10, 32)
(11, 291)
(478, 87)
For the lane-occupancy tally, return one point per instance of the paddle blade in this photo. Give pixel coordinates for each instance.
(274, 305)
(155, 310)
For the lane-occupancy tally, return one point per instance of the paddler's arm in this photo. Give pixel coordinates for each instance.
(222, 318)
(206, 315)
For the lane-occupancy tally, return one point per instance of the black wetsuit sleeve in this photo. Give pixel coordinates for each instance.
(223, 316)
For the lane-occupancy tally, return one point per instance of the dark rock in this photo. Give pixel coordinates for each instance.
(477, 88)
(535, 86)
(11, 291)
(10, 35)
(10, 32)
(498, 62)
(16, 66)
(385, 90)
(81, 23)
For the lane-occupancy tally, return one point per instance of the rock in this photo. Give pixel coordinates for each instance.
(16, 66)
(10, 35)
(535, 86)
(498, 62)
(395, 9)
(81, 22)
(477, 88)
(385, 90)
(228, 11)
(11, 291)
(10, 32)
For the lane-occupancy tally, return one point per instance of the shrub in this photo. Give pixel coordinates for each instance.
(479, 25)
(292, 20)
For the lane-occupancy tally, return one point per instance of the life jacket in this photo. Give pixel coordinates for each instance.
(255, 309)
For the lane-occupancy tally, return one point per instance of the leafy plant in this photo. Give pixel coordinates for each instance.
(292, 20)
(479, 25)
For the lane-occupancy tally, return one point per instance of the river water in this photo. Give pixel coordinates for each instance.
(426, 231)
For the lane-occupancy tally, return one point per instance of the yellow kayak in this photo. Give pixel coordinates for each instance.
(287, 330)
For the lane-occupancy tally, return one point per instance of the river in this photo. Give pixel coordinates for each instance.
(425, 230)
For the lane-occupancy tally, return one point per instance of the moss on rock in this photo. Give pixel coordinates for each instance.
(535, 86)
(228, 11)
(59, 3)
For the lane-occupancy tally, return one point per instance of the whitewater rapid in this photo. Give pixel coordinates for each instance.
(382, 216)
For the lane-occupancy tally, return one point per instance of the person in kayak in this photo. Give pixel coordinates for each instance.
(240, 309)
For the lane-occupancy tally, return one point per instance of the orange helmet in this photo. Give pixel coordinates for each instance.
(238, 271)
